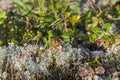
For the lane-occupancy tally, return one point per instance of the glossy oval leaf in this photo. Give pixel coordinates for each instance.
(22, 6)
(3, 14)
(96, 30)
(44, 39)
(95, 21)
(107, 27)
(50, 33)
(65, 37)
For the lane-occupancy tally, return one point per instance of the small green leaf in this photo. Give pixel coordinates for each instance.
(59, 27)
(107, 27)
(43, 25)
(1, 21)
(76, 8)
(42, 18)
(105, 37)
(65, 37)
(3, 14)
(58, 5)
(44, 39)
(90, 39)
(64, 4)
(56, 16)
(113, 37)
(74, 19)
(14, 41)
(70, 30)
(94, 36)
(88, 14)
(96, 30)
(20, 4)
(67, 14)
(95, 21)
(49, 19)
(24, 7)
(50, 33)
(42, 13)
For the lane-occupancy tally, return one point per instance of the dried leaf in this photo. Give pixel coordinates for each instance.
(57, 43)
(99, 42)
(88, 78)
(96, 77)
(99, 70)
(89, 69)
(87, 73)
(115, 74)
(83, 74)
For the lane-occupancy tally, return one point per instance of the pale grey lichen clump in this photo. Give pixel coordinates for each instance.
(60, 58)
(25, 59)
(63, 58)
(16, 56)
(114, 49)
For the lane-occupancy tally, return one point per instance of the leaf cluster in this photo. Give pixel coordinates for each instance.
(50, 20)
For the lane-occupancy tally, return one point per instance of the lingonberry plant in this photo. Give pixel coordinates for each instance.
(48, 21)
